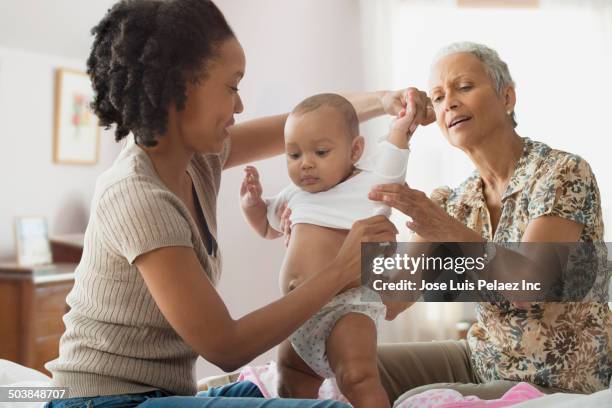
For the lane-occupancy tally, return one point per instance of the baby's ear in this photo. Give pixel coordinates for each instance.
(357, 148)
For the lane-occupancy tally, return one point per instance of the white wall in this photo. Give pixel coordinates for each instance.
(293, 49)
(30, 183)
(57, 27)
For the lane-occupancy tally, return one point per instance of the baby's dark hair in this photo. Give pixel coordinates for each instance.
(334, 101)
(143, 55)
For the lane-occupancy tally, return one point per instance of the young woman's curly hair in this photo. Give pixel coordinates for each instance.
(143, 55)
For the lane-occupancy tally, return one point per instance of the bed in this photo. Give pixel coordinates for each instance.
(15, 375)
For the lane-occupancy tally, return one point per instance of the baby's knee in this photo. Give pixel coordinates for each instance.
(352, 374)
(285, 376)
(283, 389)
(293, 383)
(284, 372)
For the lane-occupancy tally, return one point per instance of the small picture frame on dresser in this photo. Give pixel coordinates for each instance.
(32, 241)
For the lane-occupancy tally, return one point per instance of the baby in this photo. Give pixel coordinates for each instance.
(327, 196)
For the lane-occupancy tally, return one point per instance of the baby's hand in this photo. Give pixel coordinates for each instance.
(417, 110)
(250, 190)
(404, 124)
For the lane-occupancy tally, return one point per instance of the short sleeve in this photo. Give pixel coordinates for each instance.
(568, 191)
(440, 196)
(137, 216)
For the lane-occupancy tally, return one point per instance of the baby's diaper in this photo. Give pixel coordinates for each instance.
(309, 340)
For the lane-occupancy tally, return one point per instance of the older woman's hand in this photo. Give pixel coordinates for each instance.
(413, 101)
(429, 220)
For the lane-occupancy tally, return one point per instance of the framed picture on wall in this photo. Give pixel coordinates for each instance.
(76, 136)
(32, 241)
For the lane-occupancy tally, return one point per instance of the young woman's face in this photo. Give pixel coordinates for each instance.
(213, 101)
(467, 105)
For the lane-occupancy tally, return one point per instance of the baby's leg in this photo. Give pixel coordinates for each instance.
(296, 379)
(351, 351)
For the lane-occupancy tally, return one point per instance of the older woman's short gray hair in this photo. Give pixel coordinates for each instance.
(496, 68)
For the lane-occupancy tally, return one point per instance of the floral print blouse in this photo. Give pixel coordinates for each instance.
(561, 345)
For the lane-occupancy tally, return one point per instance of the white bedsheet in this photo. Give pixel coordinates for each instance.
(15, 375)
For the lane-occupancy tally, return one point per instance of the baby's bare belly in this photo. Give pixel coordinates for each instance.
(311, 248)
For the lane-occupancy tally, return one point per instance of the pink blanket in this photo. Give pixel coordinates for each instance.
(266, 379)
(445, 398)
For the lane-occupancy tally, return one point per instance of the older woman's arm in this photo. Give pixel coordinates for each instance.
(262, 138)
(552, 228)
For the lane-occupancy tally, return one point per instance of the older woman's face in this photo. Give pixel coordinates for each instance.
(467, 106)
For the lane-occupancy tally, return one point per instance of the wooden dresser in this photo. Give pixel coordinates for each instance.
(32, 303)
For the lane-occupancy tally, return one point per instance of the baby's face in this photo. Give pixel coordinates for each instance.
(318, 149)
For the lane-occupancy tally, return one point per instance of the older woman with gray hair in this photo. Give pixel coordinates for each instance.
(521, 191)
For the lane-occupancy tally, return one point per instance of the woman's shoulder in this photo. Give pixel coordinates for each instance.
(134, 212)
(547, 163)
(543, 154)
(539, 163)
(131, 171)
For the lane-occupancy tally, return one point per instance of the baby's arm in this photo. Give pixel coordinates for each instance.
(253, 206)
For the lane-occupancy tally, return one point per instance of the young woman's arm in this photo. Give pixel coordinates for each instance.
(190, 303)
(262, 138)
(256, 139)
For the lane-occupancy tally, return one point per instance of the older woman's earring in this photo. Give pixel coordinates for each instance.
(509, 112)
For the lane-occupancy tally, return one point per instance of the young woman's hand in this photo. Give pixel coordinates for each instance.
(250, 190)
(373, 229)
(284, 213)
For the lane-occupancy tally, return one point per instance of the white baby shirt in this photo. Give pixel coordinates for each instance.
(347, 202)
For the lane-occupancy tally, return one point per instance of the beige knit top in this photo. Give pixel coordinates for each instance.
(116, 340)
